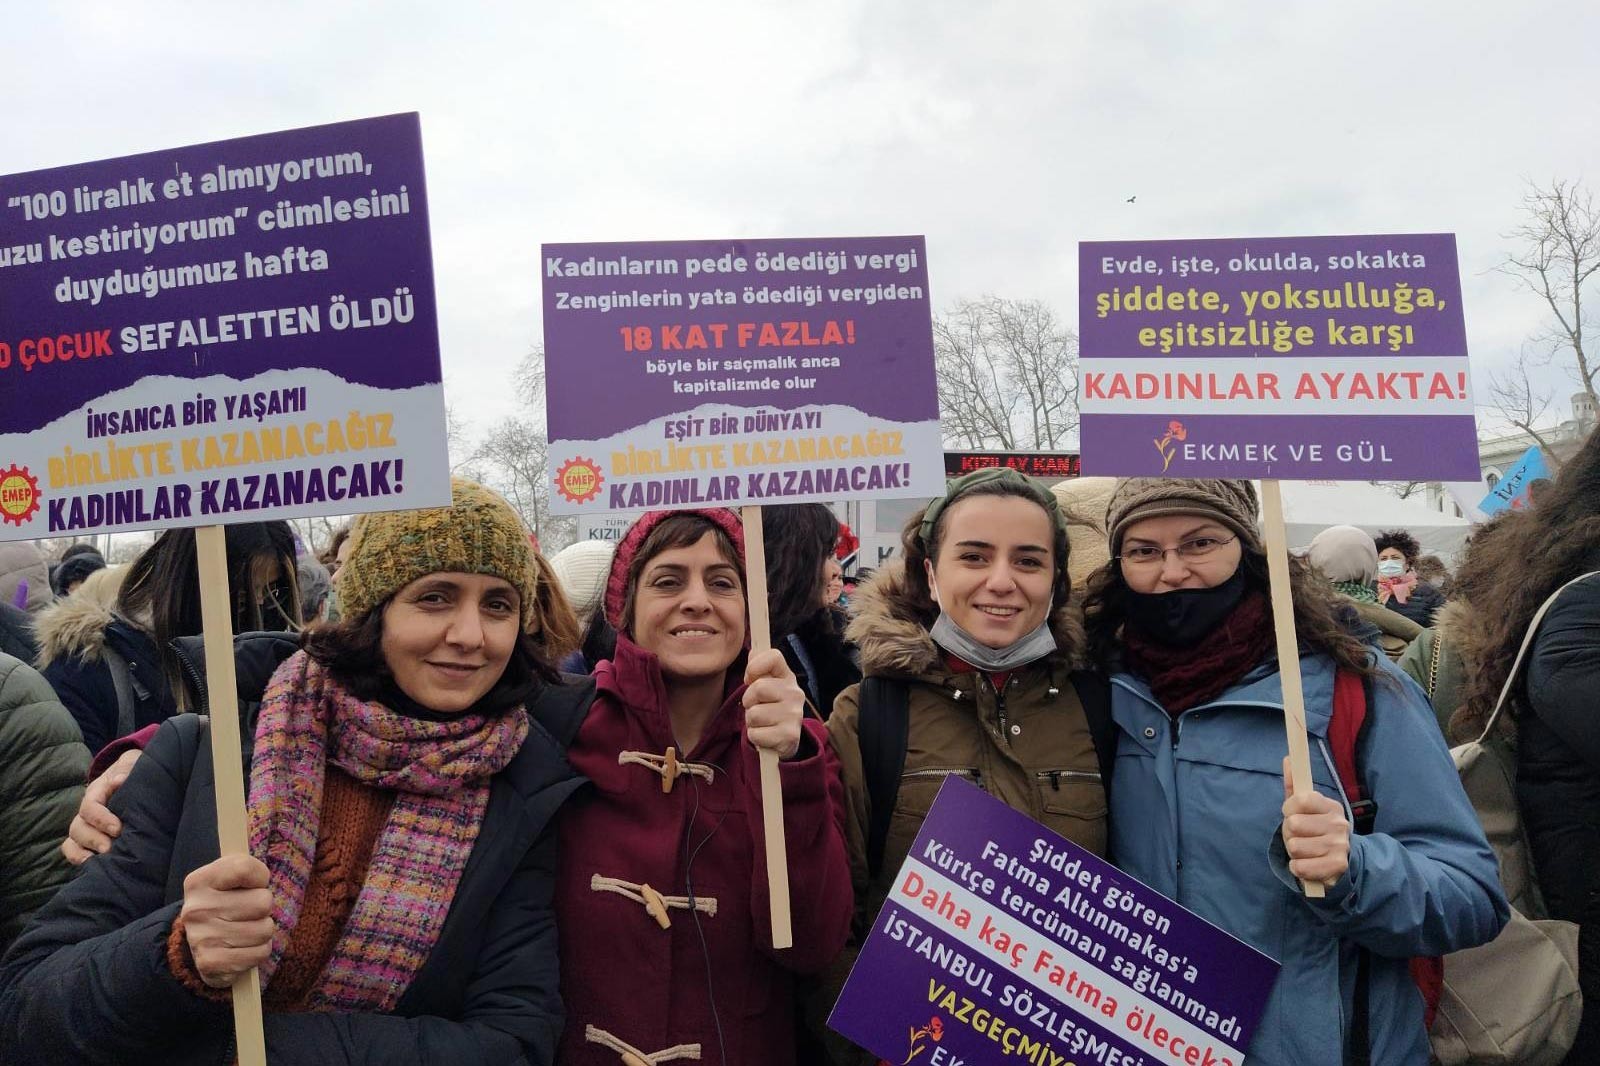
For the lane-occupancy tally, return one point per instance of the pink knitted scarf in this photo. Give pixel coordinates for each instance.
(1398, 587)
(440, 774)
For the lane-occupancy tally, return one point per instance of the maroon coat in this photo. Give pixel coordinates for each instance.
(648, 986)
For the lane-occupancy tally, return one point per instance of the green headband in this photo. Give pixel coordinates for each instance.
(958, 487)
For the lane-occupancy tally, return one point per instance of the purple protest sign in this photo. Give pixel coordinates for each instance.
(685, 373)
(240, 330)
(1004, 940)
(1326, 358)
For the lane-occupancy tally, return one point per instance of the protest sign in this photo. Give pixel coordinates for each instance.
(725, 373)
(737, 373)
(1003, 941)
(1048, 466)
(1318, 358)
(235, 331)
(241, 330)
(1514, 491)
(606, 525)
(1298, 357)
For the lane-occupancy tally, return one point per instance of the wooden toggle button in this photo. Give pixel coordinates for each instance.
(657, 906)
(669, 772)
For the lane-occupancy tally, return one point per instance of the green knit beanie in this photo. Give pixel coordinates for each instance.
(478, 533)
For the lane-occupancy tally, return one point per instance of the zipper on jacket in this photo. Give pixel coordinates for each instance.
(1055, 776)
(194, 675)
(945, 771)
(1000, 709)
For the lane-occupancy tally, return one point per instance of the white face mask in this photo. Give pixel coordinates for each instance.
(1391, 567)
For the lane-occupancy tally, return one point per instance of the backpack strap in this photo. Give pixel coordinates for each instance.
(1522, 652)
(883, 726)
(1351, 698)
(122, 681)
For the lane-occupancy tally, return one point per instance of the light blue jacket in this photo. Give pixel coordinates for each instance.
(1196, 813)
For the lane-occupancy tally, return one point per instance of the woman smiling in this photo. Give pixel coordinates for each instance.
(666, 943)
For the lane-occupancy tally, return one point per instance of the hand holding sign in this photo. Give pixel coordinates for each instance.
(773, 704)
(1315, 834)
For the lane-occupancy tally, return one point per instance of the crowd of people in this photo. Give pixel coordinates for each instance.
(504, 809)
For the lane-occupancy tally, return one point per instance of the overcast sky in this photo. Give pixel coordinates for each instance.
(1005, 132)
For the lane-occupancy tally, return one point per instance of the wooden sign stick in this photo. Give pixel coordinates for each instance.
(755, 564)
(222, 691)
(1294, 697)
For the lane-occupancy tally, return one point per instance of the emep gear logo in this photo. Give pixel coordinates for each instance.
(19, 495)
(579, 480)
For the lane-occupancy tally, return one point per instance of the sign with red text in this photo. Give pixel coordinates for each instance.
(725, 373)
(1049, 466)
(1312, 358)
(1002, 941)
(235, 331)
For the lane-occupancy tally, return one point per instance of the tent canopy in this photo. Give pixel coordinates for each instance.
(1309, 507)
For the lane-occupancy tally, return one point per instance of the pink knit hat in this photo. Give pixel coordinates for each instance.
(628, 547)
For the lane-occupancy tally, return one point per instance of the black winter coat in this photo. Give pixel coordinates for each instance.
(1421, 606)
(1558, 779)
(88, 981)
(16, 634)
(824, 664)
(90, 694)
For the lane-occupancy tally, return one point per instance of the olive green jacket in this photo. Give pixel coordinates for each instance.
(42, 767)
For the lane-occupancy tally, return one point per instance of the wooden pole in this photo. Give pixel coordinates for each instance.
(1294, 697)
(755, 564)
(222, 691)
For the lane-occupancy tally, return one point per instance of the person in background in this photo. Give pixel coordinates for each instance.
(976, 622)
(77, 563)
(1202, 810)
(800, 540)
(404, 775)
(662, 899)
(1083, 508)
(115, 667)
(316, 589)
(41, 782)
(582, 568)
(1399, 588)
(833, 584)
(337, 551)
(1345, 555)
(1431, 569)
(1511, 567)
(17, 634)
(25, 576)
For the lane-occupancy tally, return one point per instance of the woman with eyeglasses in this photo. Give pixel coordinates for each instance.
(1182, 621)
(114, 666)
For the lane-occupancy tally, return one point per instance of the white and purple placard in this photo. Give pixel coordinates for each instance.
(1313, 358)
(235, 331)
(1001, 941)
(724, 373)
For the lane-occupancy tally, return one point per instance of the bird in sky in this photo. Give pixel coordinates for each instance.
(1131, 199)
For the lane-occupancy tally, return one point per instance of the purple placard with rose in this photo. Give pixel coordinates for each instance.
(1328, 358)
(1002, 941)
(232, 331)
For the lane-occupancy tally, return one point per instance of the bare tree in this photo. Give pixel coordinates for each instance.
(1008, 375)
(1521, 403)
(1557, 258)
(514, 458)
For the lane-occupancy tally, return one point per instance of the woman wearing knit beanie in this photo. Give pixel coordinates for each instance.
(397, 899)
(666, 943)
(1181, 618)
(975, 632)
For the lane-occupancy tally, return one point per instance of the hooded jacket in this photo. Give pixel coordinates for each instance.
(41, 783)
(89, 982)
(74, 634)
(1196, 815)
(22, 561)
(1043, 745)
(711, 968)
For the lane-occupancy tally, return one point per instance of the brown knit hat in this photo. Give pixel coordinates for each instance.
(478, 533)
(1233, 503)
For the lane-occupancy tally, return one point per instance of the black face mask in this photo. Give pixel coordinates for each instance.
(1183, 618)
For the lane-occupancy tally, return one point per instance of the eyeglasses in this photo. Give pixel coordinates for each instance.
(1189, 551)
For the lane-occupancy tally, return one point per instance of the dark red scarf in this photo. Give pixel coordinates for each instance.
(1181, 678)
